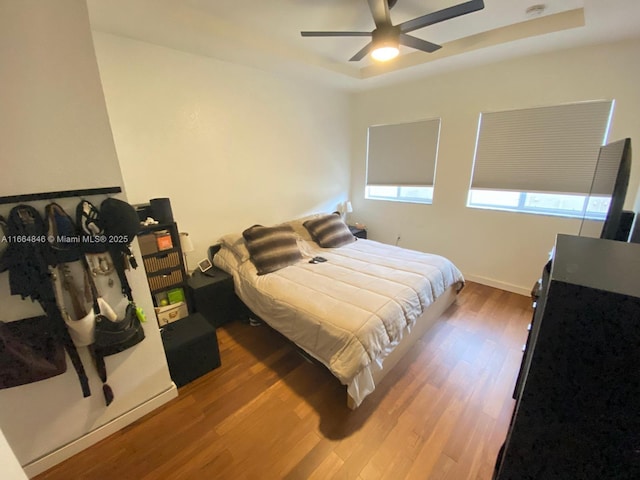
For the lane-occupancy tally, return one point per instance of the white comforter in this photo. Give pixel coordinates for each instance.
(350, 311)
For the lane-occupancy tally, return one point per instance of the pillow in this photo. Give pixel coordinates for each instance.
(235, 243)
(271, 248)
(298, 225)
(329, 231)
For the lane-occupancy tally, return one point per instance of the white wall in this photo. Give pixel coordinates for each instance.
(502, 249)
(231, 146)
(11, 469)
(55, 135)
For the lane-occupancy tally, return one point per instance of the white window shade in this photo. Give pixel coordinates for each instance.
(403, 154)
(545, 149)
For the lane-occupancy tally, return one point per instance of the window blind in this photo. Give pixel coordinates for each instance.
(403, 154)
(544, 149)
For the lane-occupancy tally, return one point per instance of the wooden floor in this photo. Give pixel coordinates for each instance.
(268, 414)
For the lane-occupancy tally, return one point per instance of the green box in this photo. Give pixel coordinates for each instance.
(175, 295)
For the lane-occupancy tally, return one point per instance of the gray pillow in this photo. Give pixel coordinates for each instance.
(329, 231)
(271, 248)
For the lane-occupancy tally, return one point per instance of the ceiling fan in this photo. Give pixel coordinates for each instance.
(386, 37)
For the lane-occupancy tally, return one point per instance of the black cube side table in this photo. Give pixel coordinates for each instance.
(213, 296)
(191, 347)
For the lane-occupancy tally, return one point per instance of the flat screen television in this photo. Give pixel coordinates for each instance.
(617, 150)
(610, 181)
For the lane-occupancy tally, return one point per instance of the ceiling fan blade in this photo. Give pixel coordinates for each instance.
(441, 15)
(362, 53)
(335, 34)
(418, 43)
(380, 11)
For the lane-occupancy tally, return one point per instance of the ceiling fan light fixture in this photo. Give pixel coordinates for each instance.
(384, 53)
(387, 37)
(386, 44)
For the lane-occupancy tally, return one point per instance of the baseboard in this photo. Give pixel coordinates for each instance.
(501, 285)
(66, 451)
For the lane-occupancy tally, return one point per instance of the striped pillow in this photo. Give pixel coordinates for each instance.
(271, 248)
(329, 231)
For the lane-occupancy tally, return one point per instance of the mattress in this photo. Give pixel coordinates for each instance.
(348, 312)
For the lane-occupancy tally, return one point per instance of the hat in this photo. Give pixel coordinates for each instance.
(120, 221)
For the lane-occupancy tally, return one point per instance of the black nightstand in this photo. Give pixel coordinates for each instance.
(358, 232)
(212, 295)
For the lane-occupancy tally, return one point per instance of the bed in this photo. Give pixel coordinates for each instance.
(357, 312)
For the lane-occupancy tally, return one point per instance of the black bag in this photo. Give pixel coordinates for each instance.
(112, 337)
(62, 235)
(28, 261)
(118, 336)
(28, 264)
(29, 352)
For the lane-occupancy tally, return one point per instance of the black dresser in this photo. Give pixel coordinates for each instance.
(577, 411)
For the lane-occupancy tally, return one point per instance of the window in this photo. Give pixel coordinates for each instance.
(541, 160)
(579, 206)
(401, 194)
(401, 161)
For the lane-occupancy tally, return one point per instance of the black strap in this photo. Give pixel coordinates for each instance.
(118, 259)
(98, 359)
